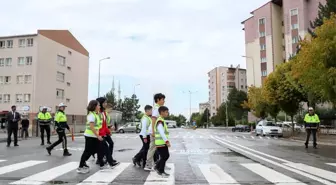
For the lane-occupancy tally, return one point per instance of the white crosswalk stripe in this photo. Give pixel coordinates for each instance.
(2, 161)
(271, 175)
(213, 173)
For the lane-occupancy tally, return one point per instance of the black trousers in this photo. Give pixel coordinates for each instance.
(311, 131)
(12, 130)
(91, 146)
(45, 128)
(164, 156)
(24, 132)
(110, 142)
(103, 150)
(61, 139)
(142, 154)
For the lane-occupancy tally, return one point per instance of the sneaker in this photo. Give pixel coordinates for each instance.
(106, 167)
(165, 175)
(148, 168)
(114, 164)
(83, 170)
(86, 166)
(48, 150)
(135, 162)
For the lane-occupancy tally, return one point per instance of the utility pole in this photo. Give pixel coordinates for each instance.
(190, 93)
(226, 115)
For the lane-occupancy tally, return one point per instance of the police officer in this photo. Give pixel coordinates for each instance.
(312, 122)
(60, 124)
(44, 120)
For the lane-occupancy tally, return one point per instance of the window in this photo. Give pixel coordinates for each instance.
(262, 34)
(9, 43)
(262, 21)
(60, 76)
(22, 43)
(19, 79)
(68, 100)
(69, 52)
(1, 80)
(295, 26)
(61, 60)
(60, 93)
(27, 79)
(68, 83)
(8, 62)
(69, 68)
(294, 12)
(26, 98)
(2, 62)
(6, 98)
(2, 44)
(29, 61)
(30, 42)
(0, 98)
(264, 73)
(21, 61)
(263, 59)
(262, 47)
(19, 98)
(7, 79)
(295, 39)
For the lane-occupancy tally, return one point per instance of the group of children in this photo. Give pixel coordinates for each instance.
(154, 136)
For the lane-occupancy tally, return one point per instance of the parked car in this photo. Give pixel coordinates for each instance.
(265, 127)
(241, 128)
(130, 127)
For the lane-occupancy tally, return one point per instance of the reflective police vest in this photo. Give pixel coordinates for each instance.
(60, 118)
(108, 119)
(158, 139)
(44, 118)
(149, 121)
(97, 125)
(311, 121)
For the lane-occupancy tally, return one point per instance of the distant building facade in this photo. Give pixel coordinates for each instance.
(203, 106)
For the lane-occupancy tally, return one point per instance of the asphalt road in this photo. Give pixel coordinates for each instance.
(198, 156)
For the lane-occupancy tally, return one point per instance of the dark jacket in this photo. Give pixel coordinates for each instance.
(13, 119)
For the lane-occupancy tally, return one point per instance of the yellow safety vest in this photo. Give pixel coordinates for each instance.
(158, 139)
(60, 117)
(149, 121)
(311, 119)
(97, 126)
(44, 118)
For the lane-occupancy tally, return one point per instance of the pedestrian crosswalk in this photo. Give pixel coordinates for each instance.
(212, 173)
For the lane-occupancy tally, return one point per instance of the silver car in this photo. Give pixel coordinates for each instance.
(130, 127)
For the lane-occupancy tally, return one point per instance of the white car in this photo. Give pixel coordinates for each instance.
(265, 127)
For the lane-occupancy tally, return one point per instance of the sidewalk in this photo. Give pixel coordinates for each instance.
(321, 139)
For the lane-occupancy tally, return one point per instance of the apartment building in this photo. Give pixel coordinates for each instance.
(272, 34)
(43, 69)
(221, 81)
(203, 106)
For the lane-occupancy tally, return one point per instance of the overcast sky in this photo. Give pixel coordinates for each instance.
(165, 46)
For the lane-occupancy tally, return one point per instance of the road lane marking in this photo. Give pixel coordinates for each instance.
(215, 175)
(104, 177)
(244, 137)
(48, 175)
(332, 164)
(268, 137)
(235, 146)
(18, 166)
(271, 175)
(236, 137)
(252, 137)
(2, 160)
(312, 170)
(260, 137)
(155, 179)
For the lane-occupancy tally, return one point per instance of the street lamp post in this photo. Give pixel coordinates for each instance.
(252, 68)
(99, 74)
(134, 101)
(190, 92)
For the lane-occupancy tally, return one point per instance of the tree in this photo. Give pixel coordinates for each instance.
(220, 117)
(315, 67)
(324, 11)
(180, 119)
(269, 92)
(111, 99)
(235, 100)
(196, 116)
(256, 102)
(205, 116)
(129, 108)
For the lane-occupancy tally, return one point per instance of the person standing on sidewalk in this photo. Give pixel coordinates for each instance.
(146, 121)
(24, 126)
(13, 119)
(159, 100)
(312, 123)
(105, 130)
(61, 124)
(44, 120)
